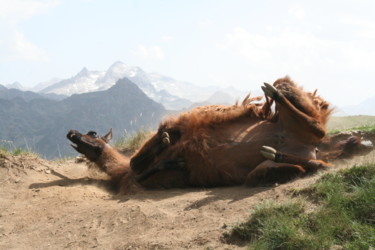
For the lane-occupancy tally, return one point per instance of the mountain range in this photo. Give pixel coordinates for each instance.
(165, 90)
(171, 93)
(29, 120)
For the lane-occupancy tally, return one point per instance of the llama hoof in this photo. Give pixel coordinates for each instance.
(268, 152)
(270, 91)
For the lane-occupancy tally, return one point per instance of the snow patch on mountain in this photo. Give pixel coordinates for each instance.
(181, 89)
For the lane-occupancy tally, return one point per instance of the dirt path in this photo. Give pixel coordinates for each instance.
(47, 205)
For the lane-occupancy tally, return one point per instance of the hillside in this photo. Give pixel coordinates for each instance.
(41, 124)
(58, 205)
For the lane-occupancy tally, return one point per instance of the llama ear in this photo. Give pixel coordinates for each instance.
(108, 136)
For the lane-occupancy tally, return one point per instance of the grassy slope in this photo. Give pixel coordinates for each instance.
(348, 122)
(343, 215)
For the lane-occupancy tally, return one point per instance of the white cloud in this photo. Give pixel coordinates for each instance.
(14, 45)
(314, 60)
(360, 22)
(21, 49)
(297, 12)
(165, 39)
(17, 10)
(364, 28)
(205, 24)
(297, 50)
(153, 52)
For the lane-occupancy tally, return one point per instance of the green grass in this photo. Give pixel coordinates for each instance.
(16, 151)
(130, 143)
(8, 148)
(343, 215)
(363, 128)
(348, 122)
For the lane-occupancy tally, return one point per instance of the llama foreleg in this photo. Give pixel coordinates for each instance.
(269, 172)
(309, 165)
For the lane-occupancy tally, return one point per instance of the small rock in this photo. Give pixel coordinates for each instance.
(48, 171)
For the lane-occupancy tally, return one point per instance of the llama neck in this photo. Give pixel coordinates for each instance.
(113, 163)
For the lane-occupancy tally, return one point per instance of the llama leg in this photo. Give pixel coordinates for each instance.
(127, 184)
(164, 165)
(308, 165)
(293, 113)
(269, 172)
(170, 178)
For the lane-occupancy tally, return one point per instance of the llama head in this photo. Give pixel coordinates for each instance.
(91, 145)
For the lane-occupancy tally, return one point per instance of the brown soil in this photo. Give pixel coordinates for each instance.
(51, 205)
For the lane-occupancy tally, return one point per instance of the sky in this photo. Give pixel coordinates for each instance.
(327, 45)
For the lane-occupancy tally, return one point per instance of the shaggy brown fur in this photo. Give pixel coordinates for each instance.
(223, 145)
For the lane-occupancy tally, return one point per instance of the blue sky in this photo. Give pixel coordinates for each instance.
(321, 44)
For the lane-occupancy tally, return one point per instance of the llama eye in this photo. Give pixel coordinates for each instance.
(92, 134)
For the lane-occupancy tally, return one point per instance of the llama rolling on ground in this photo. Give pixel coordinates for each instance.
(216, 145)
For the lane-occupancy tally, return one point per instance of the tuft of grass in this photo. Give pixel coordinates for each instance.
(363, 128)
(130, 143)
(275, 226)
(8, 148)
(345, 215)
(16, 152)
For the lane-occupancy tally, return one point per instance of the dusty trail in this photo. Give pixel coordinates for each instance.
(50, 205)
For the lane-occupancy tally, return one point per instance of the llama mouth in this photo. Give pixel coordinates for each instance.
(74, 137)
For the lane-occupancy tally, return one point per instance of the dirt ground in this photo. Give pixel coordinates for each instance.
(52, 205)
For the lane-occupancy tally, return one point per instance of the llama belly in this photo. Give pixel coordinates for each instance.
(224, 165)
(296, 148)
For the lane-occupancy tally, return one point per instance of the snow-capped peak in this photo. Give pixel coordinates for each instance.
(83, 73)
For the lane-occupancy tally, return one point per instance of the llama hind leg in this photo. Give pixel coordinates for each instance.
(293, 113)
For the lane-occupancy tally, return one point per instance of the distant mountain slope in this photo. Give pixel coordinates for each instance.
(12, 93)
(367, 107)
(41, 124)
(15, 85)
(181, 89)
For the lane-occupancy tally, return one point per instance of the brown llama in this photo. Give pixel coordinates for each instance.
(222, 145)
